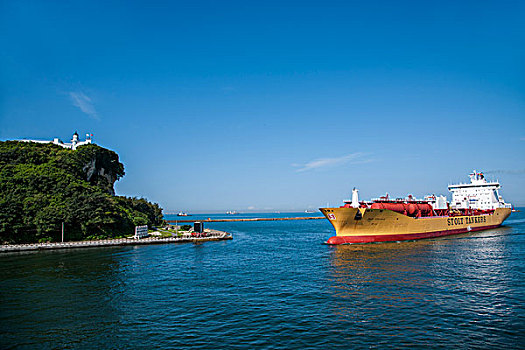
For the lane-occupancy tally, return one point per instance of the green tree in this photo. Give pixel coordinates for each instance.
(45, 185)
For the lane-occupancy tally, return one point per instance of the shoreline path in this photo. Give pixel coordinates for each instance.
(209, 235)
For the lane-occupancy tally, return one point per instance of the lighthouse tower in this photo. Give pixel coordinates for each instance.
(74, 140)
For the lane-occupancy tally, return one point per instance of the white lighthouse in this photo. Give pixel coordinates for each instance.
(75, 141)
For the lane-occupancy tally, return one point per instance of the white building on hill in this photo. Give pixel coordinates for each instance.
(75, 142)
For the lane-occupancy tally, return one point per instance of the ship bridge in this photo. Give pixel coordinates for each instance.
(478, 194)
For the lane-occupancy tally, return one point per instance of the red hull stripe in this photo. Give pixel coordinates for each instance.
(402, 237)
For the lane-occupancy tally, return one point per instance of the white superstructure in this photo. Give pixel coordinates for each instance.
(75, 141)
(355, 198)
(478, 194)
(439, 202)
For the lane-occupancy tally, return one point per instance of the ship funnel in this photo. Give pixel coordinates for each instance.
(355, 198)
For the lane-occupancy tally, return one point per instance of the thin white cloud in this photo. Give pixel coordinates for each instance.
(83, 102)
(326, 162)
(522, 139)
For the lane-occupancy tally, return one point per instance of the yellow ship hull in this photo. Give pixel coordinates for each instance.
(361, 225)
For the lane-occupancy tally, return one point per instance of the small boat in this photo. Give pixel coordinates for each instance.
(182, 214)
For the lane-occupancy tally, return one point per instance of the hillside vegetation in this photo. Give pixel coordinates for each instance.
(45, 185)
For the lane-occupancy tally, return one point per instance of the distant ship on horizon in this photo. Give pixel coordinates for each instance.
(475, 206)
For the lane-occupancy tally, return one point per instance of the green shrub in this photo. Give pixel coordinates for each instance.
(45, 185)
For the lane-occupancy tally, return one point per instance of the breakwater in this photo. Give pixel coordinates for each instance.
(208, 235)
(247, 219)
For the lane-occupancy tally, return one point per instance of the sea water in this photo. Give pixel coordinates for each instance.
(275, 285)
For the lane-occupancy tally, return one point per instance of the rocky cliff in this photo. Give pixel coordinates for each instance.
(44, 185)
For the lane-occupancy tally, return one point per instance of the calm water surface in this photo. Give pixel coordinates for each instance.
(275, 285)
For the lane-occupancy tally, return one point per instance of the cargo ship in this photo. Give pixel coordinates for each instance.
(474, 206)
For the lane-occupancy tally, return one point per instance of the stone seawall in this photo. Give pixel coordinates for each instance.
(209, 235)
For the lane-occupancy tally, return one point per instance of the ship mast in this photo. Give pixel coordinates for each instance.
(355, 198)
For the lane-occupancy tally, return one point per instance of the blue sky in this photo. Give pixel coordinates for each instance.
(238, 105)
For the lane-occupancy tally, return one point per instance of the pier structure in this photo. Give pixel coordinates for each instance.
(187, 237)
